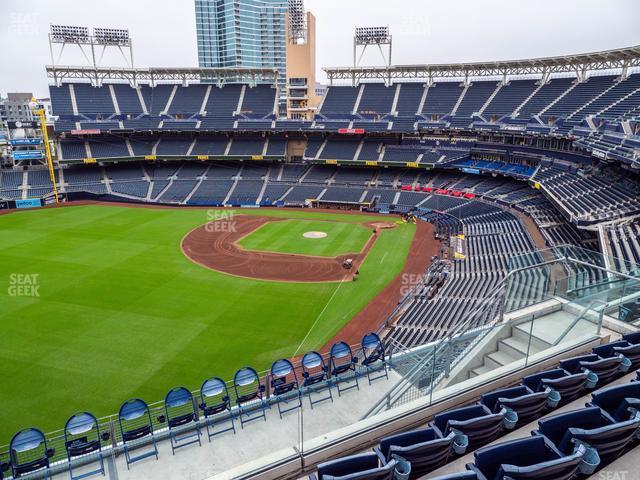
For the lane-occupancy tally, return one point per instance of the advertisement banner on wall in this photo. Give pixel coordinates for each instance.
(4, 205)
(29, 203)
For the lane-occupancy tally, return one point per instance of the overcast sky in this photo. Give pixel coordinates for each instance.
(424, 31)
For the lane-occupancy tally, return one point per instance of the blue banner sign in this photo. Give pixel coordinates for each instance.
(28, 155)
(29, 203)
(475, 171)
(25, 141)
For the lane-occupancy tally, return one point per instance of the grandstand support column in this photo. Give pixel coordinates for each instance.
(427, 86)
(205, 100)
(394, 106)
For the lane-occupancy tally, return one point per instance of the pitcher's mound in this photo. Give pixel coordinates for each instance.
(314, 235)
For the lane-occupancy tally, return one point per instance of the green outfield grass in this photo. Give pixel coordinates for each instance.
(122, 313)
(287, 237)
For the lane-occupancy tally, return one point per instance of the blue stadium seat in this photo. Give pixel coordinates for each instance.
(284, 386)
(343, 367)
(620, 402)
(364, 466)
(28, 452)
(425, 449)
(215, 405)
(630, 351)
(82, 437)
(568, 386)
(373, 357)
(521, 399)
(249, 396)
(476, 422)
(589, 426)
(532, 458)
(633, 338)
(605, 369)
(182, 419)
(458, 476)
(134, 419)
(316, 375)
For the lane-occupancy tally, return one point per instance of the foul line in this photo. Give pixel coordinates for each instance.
(318, 317)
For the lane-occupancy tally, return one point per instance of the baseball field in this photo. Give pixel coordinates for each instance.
(100, 303)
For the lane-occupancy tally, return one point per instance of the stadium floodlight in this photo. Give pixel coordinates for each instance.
(92, 46)
(111, 36)
(371, 36)
(69, 34)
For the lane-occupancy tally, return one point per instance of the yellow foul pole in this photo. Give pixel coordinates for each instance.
(47, 149)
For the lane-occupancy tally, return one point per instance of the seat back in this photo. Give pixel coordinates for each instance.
(314, 368)
(564, 468)
(214, 397)
(341, 358)
(605, 368)
(179, 407)
(521, 399)
(425, 449)
(572, 365)
(28, 452)
(476, 422)
(372, 349)
(609, 440)
(613, 400)
(356, 467)
(247, 386)
(134, 419)
(282, 377)
(525, 458)
(81, 434)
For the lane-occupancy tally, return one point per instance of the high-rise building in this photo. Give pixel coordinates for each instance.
(242, 33)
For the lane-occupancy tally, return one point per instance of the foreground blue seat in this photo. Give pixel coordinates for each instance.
(180, 414)
(28, 453)
(316, 376)
(215, 405)
(458, 476)
(525, 459)
(568, 386)
(365, 466)
(605, 369)
(134, 419)
(620, 402)
(284, 386)
(476, 422)
(82, 437)
(633, 338)
(630, 351)
(249, 396)
(521, 399)
(425, 449)
(343, 367)
(373, 357)
(588, 426)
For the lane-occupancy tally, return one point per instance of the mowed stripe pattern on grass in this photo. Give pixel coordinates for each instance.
(286, 236)
(122, 313)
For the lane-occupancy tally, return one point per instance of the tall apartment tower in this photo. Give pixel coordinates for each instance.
(242, 33)
(301, 97)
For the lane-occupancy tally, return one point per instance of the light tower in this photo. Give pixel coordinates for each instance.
(370, 36)
(93, 45)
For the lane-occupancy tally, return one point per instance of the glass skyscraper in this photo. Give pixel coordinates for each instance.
(242, 33)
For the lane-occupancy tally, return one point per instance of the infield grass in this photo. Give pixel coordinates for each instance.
(122, 313)
(286, 236)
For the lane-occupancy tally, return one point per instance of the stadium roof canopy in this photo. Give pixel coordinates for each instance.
(153, 75)
(621, 59)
